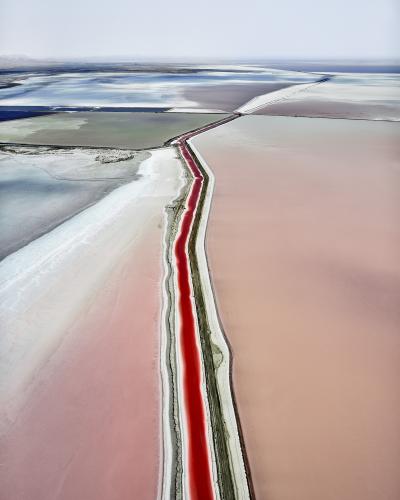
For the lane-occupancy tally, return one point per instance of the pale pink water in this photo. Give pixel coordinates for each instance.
(303, 244)
(91, 426)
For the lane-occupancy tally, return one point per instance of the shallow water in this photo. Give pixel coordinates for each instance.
(38, 191)
(303, 245)
(120, 130)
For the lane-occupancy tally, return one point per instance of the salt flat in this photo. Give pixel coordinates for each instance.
(109, 385)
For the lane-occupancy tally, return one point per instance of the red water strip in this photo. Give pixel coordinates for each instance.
(199, 466)
(200, 481)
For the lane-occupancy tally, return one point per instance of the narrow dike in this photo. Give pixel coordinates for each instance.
(196, 460)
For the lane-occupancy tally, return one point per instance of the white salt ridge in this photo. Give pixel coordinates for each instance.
(263, 100)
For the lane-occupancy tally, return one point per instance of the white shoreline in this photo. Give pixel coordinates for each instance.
(38, 294)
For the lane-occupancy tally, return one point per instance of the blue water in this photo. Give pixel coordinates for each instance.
(152, 89)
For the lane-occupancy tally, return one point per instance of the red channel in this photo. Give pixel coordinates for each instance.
(200, 482)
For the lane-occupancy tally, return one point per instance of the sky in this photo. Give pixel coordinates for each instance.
(217, 29)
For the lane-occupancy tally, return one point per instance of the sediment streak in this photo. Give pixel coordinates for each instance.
(203, 452)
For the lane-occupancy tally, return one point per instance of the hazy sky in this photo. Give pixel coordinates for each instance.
(206, 28)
